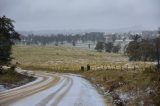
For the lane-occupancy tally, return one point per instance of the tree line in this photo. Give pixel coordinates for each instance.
(141, 49)
(61, 38)
(107, 47)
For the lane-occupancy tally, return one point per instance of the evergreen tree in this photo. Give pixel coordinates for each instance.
(116, 48)
(108, 47)
(7, 37)
(99, 46)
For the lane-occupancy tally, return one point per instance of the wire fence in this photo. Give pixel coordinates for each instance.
(88, 67)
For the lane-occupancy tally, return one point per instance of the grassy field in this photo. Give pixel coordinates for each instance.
(62, 58)
(111, 71)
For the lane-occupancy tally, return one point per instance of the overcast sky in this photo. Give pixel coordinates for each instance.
(82, 14)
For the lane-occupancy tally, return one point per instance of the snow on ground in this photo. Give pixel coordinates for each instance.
(35, 99)
(2, 88)
(71, 90)
(30, 83)
(82, 93)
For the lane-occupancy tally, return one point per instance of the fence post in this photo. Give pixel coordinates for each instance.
(88, 67)
(82, 68)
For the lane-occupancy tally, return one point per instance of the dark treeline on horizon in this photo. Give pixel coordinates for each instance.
(83, 37)
(61, 38)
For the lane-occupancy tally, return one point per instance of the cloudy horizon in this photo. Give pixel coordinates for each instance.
(82, 14)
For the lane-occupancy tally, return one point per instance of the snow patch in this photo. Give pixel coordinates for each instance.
(2, 88)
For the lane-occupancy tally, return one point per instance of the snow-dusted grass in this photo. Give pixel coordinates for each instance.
(12, 79)
(131, 86)
(2, 88)
(62, 58)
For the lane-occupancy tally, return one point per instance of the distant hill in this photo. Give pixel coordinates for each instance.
(80, 31)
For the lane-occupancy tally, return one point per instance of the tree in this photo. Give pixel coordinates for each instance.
(147, 51)
(56, 44)
(73, 43)
(108, 47)
(7, 37)
(135, 37)
(157, 46)
(114, 37)
(99, 46)
(116, 48)
(133, 48)
(158, 49)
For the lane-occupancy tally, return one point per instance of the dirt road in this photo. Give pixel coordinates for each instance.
(53, 90)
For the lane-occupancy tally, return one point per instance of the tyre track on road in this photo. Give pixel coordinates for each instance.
(9, 92)
(49, 98)
(60, 97)
(12, 97)
(53, 90)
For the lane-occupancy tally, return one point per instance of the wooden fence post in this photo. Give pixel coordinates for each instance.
(82, 68)
(88, 67)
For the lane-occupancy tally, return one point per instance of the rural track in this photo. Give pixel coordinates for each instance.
(53, 89)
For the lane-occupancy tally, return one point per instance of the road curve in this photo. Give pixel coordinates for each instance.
(53, 90)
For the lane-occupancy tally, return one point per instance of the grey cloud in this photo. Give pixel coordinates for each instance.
(81, 14)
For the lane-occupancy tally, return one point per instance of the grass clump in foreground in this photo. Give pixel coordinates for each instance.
(10, 78)
(128, 87)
